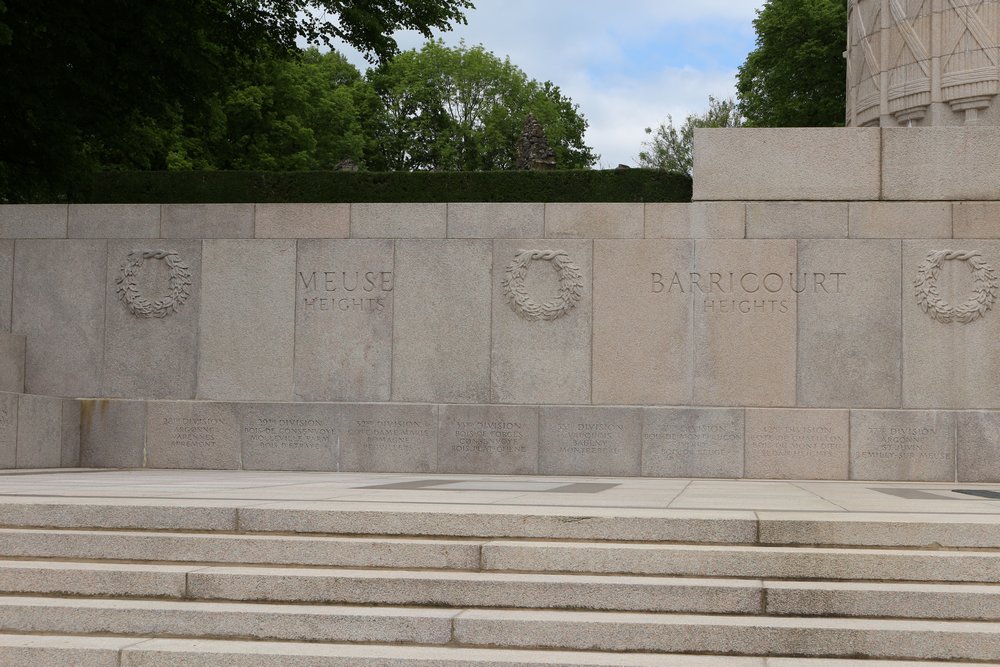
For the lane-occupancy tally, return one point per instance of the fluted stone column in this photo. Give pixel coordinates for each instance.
(923, 62)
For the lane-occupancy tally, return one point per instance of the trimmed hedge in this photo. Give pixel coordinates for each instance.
(154, 187)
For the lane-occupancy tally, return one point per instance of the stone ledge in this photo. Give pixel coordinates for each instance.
(787, 164)
(580, 440)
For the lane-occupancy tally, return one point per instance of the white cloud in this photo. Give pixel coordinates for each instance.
(619, 115)
(589, 49)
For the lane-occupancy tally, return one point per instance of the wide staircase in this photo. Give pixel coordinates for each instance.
(141, 583)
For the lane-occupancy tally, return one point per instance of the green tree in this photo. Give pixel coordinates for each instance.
(301, 114)
(670, 148)
(464, 108)
(5, 33)
(96, 79)
(795, 77)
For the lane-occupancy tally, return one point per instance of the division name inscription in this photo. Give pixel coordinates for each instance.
(337, 292)
(746, 292)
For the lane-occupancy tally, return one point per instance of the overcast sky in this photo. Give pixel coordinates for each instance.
(627, 64)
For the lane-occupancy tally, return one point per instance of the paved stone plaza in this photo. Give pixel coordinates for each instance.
(979, 503)
(144, 568)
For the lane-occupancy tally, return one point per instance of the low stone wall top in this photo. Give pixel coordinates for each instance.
(758, 218)
(926, 163)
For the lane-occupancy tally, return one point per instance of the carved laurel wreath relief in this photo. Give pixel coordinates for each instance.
(136, 303)
(570, 285)
(984, 293)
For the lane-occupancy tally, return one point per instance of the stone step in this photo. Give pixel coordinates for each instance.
(77, 651)
(449, 589)
(169, 618)
(477, 589)
(746, 561)
(508, 629)
(499, 521)
(735, 635)
(797, 562)
(602, 592)
(389, 552)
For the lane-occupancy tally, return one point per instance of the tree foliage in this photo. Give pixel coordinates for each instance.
(303, 114)
(795, 77)
(90, 80)
(670, 148)
(463, 108)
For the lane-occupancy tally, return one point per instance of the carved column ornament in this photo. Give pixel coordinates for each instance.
(136, 303)
(922, 62)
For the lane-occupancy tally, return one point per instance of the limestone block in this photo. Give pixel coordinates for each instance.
(600, 441)
(223, 620)
(152, 357)
(796, 220)
(402, 221)
(900, 219)
(976, 220)
(594, 221)
(8, 430)
(112, 433)
(388, 438)
(289, 436)
(55, 650)
(978, 443)
(70, 457)
(337, 551)
(881, 530)
(206, 221)
(949, 364)
(493, 439)
(849, 323)
(343, 320)
(787, 164)
(642, 332)
(6, 283)
(192, 434)
(247, 320)
(496, 221)
(692, 442)
(796, 444)
(904, 445)
(114, 221)
(441, 321)
(302, 221)
(542, 361)
(59, 293)
(696, 220)
(33, 221)
(11, 363)
(39, 431)
(744, 321)
(940, 163)
(547, 523)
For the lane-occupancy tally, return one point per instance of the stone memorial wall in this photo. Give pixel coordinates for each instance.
(824, 309)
